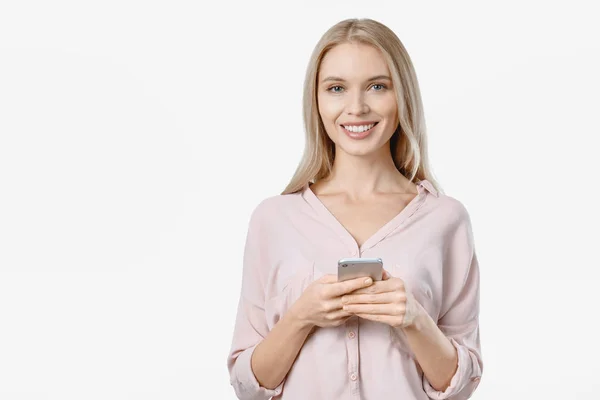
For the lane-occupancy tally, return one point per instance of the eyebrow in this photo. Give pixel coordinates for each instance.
(338, 79)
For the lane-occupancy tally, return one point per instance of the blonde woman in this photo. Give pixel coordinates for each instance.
(363, 189)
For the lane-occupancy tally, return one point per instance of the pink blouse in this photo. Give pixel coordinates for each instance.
(293, 239)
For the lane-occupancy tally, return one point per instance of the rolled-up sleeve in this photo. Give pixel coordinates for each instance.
(459, 320)
(251, 325)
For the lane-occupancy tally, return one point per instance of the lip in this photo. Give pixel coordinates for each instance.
(359, 123)
(359, 135)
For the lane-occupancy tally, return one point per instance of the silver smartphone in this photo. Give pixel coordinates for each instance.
(350, 268)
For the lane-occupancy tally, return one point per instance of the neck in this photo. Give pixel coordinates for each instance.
(361, 176)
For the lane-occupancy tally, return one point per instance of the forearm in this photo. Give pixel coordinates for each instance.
(275, 354)
(435, 353)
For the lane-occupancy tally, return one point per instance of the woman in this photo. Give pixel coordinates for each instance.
(363, 189)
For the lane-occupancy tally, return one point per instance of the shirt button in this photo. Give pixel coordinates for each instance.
(351, 335)
(353, 377)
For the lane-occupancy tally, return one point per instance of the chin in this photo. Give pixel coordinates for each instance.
(359, 149)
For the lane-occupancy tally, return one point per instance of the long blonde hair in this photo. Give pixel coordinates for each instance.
(409, 141)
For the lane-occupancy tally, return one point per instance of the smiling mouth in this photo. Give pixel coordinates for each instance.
(359, 128)
(359, 132)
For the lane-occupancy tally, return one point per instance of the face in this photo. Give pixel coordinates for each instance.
(357, 102)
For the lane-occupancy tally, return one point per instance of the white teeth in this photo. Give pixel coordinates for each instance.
(358, 129)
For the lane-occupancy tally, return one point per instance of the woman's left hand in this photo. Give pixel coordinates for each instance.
(385, 301)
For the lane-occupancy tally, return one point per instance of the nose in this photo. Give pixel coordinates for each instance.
(357, 104)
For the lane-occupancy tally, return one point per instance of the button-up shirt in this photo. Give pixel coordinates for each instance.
(293, 240)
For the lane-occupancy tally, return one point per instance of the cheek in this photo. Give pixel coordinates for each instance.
(387, 107)
(390, 113)
(329, 110)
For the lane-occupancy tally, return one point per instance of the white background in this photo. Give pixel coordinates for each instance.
(137, 137)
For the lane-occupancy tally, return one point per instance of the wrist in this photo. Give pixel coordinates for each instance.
(298, 320)
(419, 319)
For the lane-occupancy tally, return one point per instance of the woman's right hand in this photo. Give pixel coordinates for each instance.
(321, 302)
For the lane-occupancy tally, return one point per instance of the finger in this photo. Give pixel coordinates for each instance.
(327, 279)
(377, 287)
(380, 309)
(341, 288)
(386, 275)
(333, 304)
(337, 315)
(374, 298)
(386, 319)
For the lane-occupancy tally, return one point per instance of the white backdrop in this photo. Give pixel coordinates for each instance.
(136, 138)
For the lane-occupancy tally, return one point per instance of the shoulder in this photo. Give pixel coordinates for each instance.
(448, 209)
(454, 223)
(272, 208)
(447, 217)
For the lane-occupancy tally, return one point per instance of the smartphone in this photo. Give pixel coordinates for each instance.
(350, 268)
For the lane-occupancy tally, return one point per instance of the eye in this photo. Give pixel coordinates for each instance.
(334, 87)
(381, 85)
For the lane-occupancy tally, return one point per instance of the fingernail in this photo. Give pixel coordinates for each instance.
(368, 281)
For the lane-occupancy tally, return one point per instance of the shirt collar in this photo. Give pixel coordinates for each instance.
(424, 183)
(428, 186)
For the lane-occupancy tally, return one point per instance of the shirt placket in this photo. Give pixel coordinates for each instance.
(353, 356)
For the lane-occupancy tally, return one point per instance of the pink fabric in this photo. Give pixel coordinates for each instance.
(293, 240)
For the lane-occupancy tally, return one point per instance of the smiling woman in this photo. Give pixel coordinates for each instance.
(363, 189)
(363, 88)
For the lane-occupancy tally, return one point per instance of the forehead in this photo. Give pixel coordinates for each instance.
(353, 61)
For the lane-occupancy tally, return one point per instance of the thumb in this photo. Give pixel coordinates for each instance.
(329, 278)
